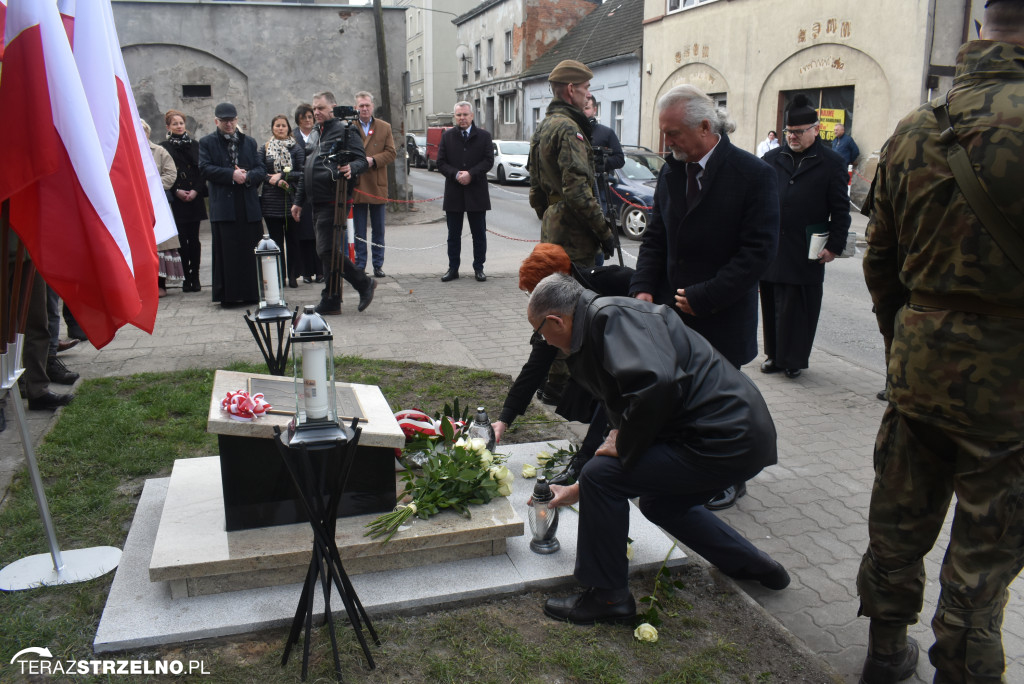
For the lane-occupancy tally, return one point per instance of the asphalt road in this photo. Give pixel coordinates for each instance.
(846, 328)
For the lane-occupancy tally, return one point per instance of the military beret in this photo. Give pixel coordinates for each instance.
(225, 110)
(800, 112)
(570, 71)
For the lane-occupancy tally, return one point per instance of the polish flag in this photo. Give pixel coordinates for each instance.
(95, 247)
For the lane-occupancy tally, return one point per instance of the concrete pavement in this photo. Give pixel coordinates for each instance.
(809, 512)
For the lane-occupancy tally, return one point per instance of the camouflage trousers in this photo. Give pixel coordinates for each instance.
(918, 468)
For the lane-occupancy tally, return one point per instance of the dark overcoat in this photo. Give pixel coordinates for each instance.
(216, 168)
(812, 191)
(716, 250)
(475, 155)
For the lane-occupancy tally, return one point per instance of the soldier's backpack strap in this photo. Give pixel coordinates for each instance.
(992, 219)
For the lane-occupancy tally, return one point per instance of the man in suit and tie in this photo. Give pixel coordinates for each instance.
(372, 186)
(464, 157)
(713, 231)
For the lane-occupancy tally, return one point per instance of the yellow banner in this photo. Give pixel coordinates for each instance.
(828, 118)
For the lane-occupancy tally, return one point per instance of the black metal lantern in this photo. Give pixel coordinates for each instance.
(316, 404)
(270, 275)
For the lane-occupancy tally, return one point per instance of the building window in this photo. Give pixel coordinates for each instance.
(476, 58)
(508, 109)
(508, 47)
(490, 54)
(196, 91)
(676, 5)
(419, 67)
(465, 68)
(617, 118)
(536, 117)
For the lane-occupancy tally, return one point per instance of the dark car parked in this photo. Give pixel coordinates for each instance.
(632, 190)
(416, 147)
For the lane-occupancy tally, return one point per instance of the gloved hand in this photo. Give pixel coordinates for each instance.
(608, 247)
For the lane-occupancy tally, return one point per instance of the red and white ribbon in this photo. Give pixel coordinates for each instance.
(240, 406)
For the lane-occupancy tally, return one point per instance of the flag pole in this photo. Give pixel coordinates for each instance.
(56, 567)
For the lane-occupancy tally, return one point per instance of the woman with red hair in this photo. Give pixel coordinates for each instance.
(575, 403)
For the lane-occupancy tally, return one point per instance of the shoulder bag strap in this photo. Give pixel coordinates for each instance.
(992, 219)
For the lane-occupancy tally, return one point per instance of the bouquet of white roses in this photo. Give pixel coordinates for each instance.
(457, 473)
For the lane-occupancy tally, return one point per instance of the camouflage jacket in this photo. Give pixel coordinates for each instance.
(959, 366)
(562, 184)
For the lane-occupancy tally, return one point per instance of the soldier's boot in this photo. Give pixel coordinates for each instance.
(885, 664)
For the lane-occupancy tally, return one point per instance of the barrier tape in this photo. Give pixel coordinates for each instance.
(637, 206)
(398, 201)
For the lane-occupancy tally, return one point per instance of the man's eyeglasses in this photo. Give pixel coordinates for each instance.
(541, 326)
(796, 131)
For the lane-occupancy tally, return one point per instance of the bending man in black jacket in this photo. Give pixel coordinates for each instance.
(686, 424)
(318, 183)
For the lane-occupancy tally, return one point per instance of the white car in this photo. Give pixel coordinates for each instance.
(510, 158)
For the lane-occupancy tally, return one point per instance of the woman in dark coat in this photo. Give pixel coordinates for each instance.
(282, 157)
(311, 268)
(187, 196)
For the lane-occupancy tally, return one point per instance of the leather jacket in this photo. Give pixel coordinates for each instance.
(663, 383)
(320, 176)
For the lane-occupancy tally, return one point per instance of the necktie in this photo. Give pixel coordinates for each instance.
(465, 135)
(692, 186)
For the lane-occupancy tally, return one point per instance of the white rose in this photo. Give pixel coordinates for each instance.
(287, 169)
(543, 458)
(486, 458)
(460, 442)
(478, 444)
(646, 632)
(529, 471)
(507, 480)
(499, 473)
(629, 551)
(504, 490)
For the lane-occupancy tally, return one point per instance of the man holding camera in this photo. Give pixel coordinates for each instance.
(608, 156)
(562, 170)
(334, 152)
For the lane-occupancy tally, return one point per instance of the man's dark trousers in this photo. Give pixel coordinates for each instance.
(323, 226)
(672, 493)
(477, 228)
(376, 215)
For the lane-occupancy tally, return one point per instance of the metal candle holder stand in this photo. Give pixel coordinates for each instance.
(262, 325)
(325, 563)
(54, 568)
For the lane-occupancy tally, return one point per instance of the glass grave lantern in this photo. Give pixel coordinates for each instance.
(316, 404)
(270, 275)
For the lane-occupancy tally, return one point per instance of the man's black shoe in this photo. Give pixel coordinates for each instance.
(572, 470)
(328, 307)
(49, 401)
(449, 275)
(793, 373)
(378, 273)
(547, 395)
(77, 333)
(769, 572)
(318, 279)
(727, 497)
(366, 296)
(888, 669)
(770, 367)
(307, 280)
(883, 395)
(480, 277)
(587, 609)
(59, 373)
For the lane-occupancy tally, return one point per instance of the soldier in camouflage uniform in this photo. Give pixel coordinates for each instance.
(562, 171)
(950, 305)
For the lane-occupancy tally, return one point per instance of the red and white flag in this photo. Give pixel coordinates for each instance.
(79, 198)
